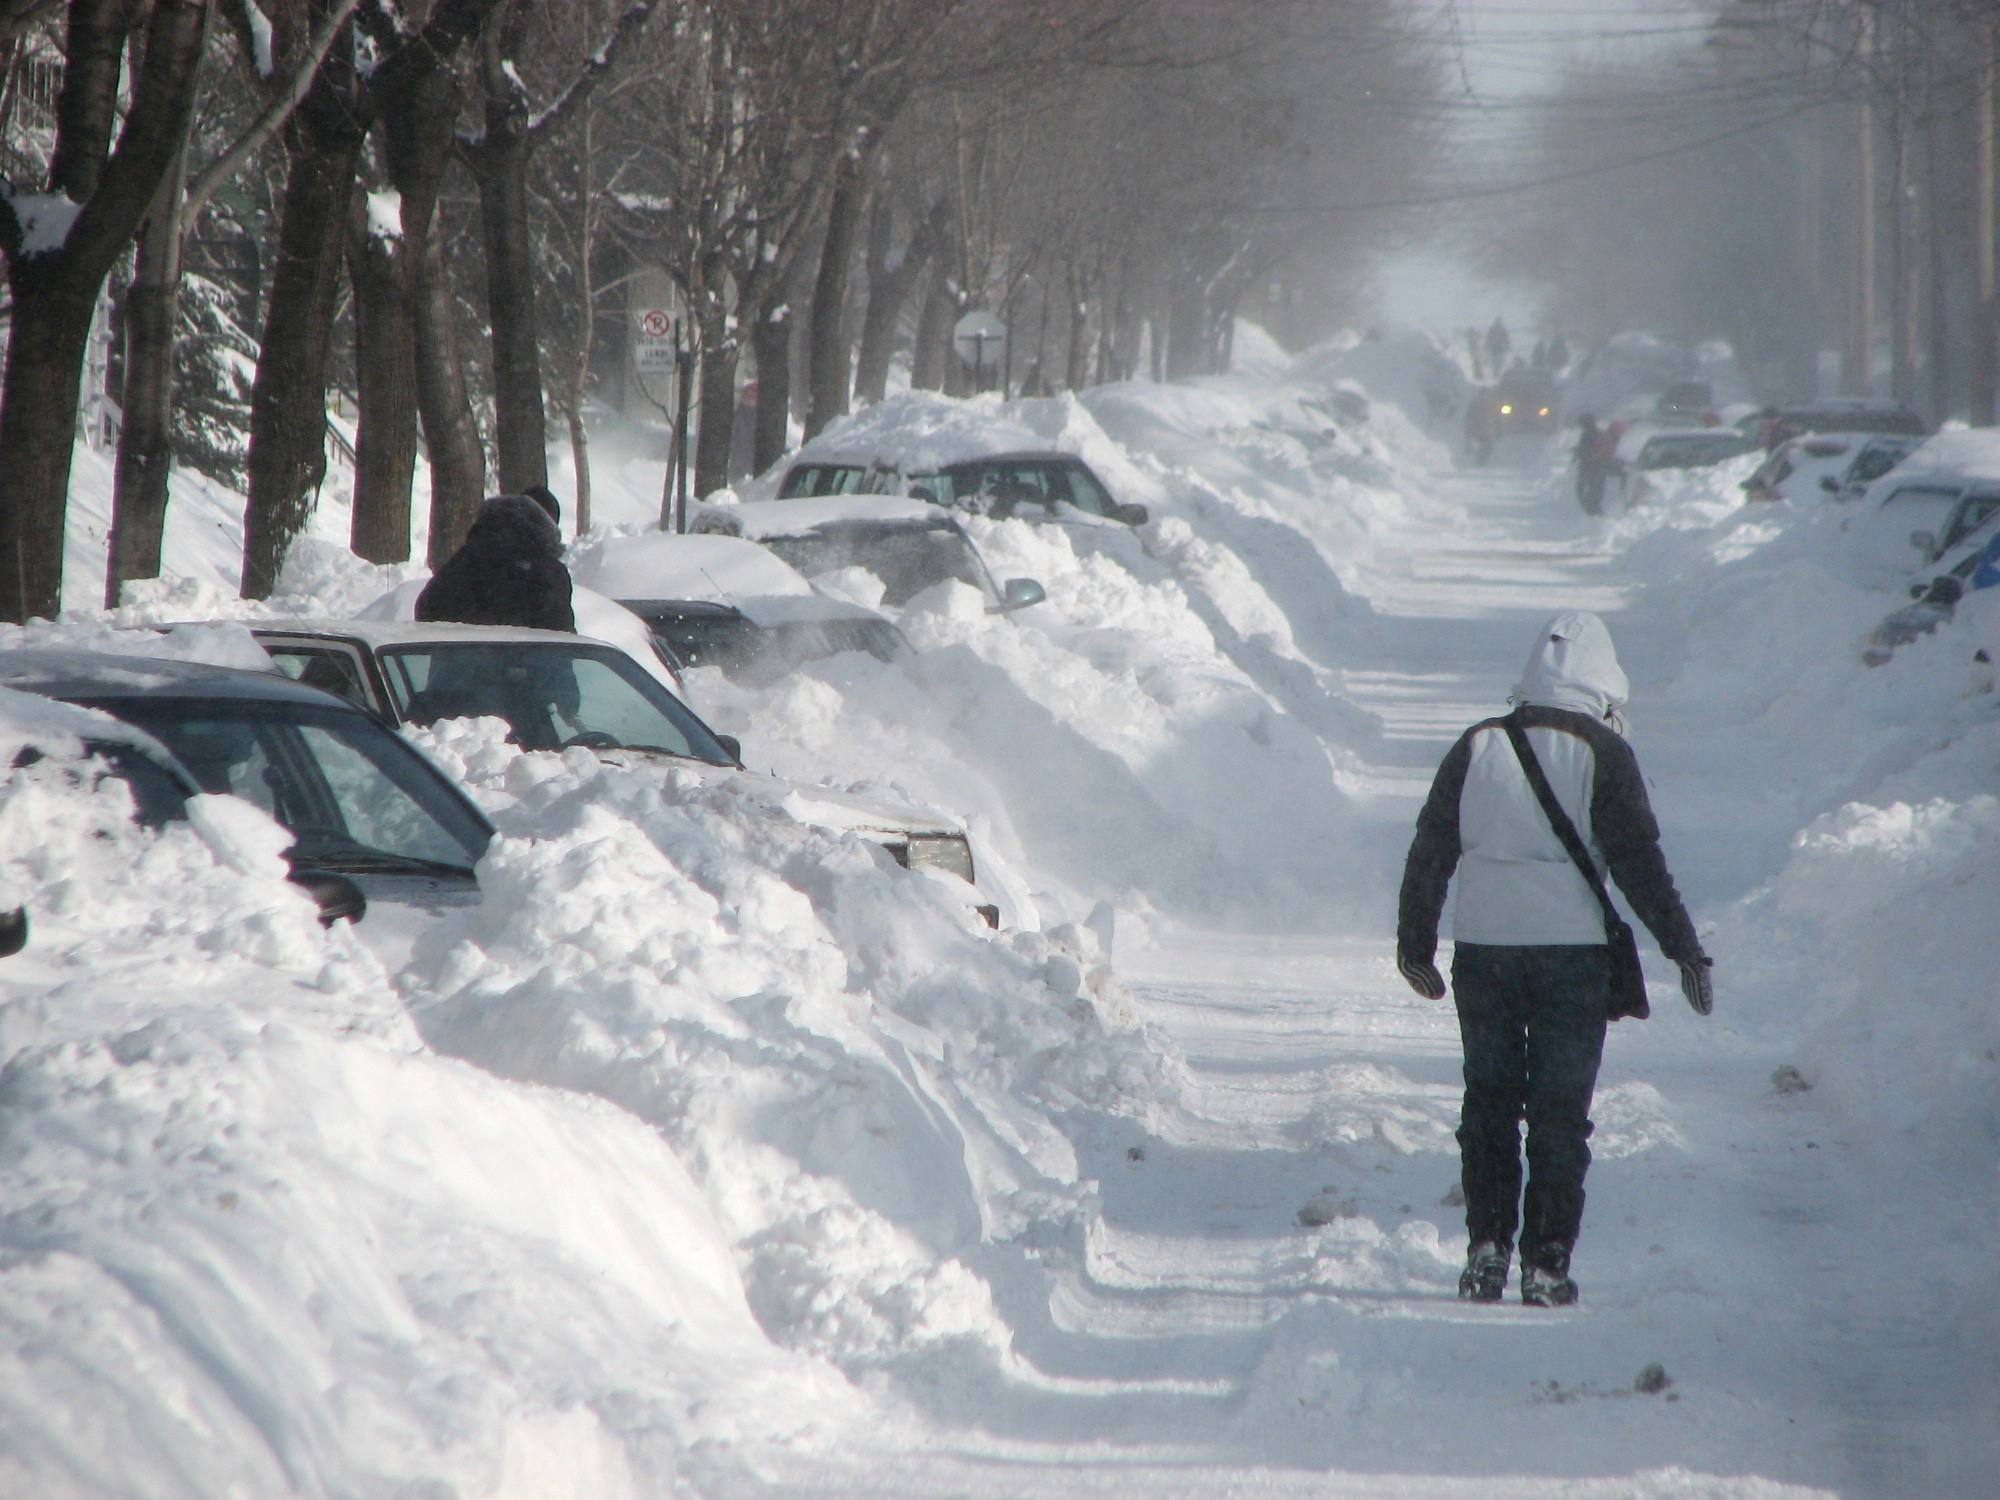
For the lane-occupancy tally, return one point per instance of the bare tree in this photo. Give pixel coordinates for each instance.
(60, 245)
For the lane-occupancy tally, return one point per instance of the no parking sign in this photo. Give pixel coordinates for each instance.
(654, 340)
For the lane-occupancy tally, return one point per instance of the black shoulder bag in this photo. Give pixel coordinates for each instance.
(1628, 979)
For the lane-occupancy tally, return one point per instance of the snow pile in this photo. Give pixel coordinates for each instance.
(259, 1240)
(865, 1079)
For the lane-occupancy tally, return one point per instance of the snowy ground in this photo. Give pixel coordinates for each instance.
(714, 1156)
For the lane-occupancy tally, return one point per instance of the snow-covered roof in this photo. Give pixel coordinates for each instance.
(918, 431)
(662, 565)
(764, 518)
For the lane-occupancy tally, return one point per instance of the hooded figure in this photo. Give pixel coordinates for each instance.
(1531, 965)
(509, 571)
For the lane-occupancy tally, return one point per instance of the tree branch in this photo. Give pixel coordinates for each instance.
(601, 62)
(274, 116)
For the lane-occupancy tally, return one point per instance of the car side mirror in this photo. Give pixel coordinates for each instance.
(1020, 593)
(1945, 590)
(924, 493)
(13, 931)
(1830, 485)
(1924, 541)
(338, 897)
(732, 746)
(1133, 515)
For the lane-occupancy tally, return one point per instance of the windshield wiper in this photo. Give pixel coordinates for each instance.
(359, 857)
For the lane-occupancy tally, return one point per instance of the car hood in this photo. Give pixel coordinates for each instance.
(876, 810)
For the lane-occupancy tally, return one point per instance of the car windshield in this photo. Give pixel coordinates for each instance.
(552, 695)
(725, 638)
(1005, 484)
(357, 797)
(1692, 450)
(807, 480)
(907, 559)
(1876, 460)
(1973, 512)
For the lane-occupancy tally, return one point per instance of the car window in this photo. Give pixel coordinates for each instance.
(328, 668)
(1085, 493)
(907, 559)
(356, 796)
(1876, 460)
(1920, 496)
(807, 480)
(1970, 516)
(1690, 451)
(551, 695)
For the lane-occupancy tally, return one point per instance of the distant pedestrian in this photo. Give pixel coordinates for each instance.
(1497, 345)
(1590, 469)
(509, 571)
(1558, 353)
(1530, 810)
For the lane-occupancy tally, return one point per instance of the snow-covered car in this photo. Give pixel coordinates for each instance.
(1850, 414)
(1964, 566)
(1685, 401)
(1525, 401)
(371, 816)
(1870, 462)
(1797, 465)
(1681, 448)
(906, 545)
(557, 691)
(727, 602)
(1039, 481)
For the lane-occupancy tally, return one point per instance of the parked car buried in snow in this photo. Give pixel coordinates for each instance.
(1682, 448)
(557, 691)
(1871, 461)
(726, 602)
(373, 818)
(1039, 484)
(907, 545)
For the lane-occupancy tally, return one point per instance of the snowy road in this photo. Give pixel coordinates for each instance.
(1211, 1343)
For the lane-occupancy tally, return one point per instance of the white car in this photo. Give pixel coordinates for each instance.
(559, 691)
(725, 601)
(907, 545)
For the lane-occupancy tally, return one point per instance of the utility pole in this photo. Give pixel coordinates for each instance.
(1902, 237)
(1982, 371)
(1858, 361)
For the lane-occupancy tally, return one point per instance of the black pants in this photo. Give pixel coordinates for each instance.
(1532, 1019)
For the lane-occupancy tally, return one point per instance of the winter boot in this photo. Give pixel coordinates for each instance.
(1542, 1286)
(1484, 1278)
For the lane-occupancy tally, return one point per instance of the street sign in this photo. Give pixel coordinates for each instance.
(653, 341)
(980, 339)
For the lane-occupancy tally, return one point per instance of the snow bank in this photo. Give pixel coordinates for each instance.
(864, 1079)
(259, 1240)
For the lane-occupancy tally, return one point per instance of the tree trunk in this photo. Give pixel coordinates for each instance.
(288, 398)
(55, 290)
(458, 462)
(933, 342)
(1077, 373)
(579, 457)
(1985, 321)
(45, 349)
(385, 372)
(145, 433)
(520, 423)
(718, 410)
(419, 120)
(888, 290)
(771, 344)
(827, 341)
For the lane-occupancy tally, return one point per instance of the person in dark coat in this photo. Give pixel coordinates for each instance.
(1531, 967)
(509, 571)
(1590, 472)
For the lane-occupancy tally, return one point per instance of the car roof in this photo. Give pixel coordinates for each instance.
(376, 633)
(766, 518)
(59, 673)
(697, 565)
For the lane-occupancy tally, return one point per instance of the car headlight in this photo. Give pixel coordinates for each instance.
(1506, 411)
(944, 851)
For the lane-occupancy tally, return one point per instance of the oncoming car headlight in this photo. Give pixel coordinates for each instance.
(947, 851)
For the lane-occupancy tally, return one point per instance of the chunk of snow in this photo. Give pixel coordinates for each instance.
(45, 220)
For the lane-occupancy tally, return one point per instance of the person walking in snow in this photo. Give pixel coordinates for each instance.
(1530, 810)
(508, 571)
(1590, 470)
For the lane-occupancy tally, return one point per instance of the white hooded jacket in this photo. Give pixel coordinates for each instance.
(1516, 883)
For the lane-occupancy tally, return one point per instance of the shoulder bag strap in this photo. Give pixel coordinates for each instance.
(1559, 820)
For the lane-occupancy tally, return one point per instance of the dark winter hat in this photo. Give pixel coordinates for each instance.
(543, 496)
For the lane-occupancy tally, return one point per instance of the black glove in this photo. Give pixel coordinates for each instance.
(1423, 976)
(1696, 983)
